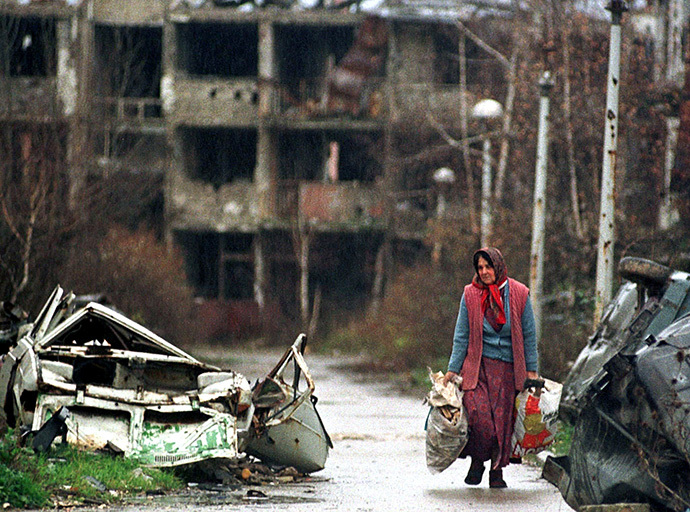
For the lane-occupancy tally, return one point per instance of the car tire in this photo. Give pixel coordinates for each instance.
(643, 271)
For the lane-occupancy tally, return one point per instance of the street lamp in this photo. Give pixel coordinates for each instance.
(485, 111)
(536, 275)
(444, 179)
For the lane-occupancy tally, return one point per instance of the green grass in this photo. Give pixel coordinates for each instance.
(66, 474)
(561, 444)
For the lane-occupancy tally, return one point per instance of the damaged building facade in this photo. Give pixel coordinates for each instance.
(273, 132)
(270, 130)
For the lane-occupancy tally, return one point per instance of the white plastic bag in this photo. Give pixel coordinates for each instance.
(536, 418)
(446, 427)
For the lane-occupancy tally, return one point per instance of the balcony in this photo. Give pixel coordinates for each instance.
(134, 113)
(198, 205)
(341, 206)
(214, 101)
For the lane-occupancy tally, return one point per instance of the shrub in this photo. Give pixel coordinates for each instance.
(415, 324)
(141, 276)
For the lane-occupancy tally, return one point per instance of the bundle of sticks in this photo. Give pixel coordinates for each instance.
(452, 414)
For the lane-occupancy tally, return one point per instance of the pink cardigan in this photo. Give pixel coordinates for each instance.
(517, 293)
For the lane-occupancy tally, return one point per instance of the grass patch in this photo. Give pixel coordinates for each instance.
(564, 436)
(68, 475)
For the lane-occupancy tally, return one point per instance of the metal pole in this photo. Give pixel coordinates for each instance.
(666, 213)
(440, 214)
(486, 191)
(539, 207)
(604, 278)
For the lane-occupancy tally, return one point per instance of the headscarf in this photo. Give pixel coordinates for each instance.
(492, 301)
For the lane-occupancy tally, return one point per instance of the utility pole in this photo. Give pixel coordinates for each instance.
(605, 253)
(539, 208)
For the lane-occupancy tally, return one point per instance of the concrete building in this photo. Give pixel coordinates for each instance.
(272, 129)
(276, 131)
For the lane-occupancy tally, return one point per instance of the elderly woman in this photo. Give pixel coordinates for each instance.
(494, 351)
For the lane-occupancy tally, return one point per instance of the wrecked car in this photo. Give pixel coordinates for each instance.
(117, 386)
(628, 398)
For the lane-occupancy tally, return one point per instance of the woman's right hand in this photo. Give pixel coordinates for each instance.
(449, 376)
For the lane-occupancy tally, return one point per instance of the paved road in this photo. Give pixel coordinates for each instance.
(378, 460)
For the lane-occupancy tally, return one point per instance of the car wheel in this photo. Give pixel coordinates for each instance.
(643, 271)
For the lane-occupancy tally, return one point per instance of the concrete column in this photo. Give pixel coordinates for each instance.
(67, 65)
(169, 54)
(175, 161)
(77, 97)
(265, 171)
(265, 179)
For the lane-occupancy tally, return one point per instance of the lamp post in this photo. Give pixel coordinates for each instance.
(604, 279)
(539, 207)
(484, 111)
(443, 178)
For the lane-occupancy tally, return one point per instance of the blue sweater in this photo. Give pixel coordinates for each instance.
(496, 345)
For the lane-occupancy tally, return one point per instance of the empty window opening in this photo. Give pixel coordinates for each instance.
(27, 46)
(201, 256)
(330, 156)
(343, 265)
(237, 270)
(224, 50)
(219, 266)
(305, 52)
(446, 61)
(128, 61)
(220, 156)
(300, 155)
(354, 156)
(304, 55)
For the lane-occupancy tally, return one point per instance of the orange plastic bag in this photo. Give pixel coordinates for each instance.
(536, 417)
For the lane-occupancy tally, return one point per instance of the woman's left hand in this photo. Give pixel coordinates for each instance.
(533, 375)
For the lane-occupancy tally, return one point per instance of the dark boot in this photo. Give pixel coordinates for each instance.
(474, 475)
(496, 479)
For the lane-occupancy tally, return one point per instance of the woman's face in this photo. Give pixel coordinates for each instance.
(486, 272)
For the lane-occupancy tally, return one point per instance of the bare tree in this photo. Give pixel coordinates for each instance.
(570, 144)
(32, 169)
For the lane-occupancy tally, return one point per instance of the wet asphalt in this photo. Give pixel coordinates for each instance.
(378, 459)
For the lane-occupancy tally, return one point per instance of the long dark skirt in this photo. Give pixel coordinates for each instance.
(489, 409)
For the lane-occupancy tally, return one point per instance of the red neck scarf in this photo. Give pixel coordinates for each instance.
(492, 300)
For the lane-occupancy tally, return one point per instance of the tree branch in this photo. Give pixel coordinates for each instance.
(484, 45)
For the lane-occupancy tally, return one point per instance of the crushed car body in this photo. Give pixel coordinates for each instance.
(122, 388)
(628, 398)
